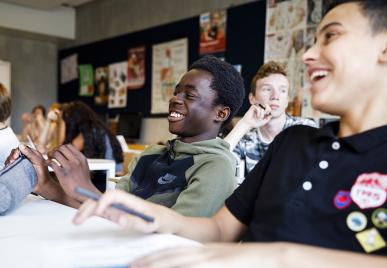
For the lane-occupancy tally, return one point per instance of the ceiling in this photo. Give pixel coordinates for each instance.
(46, 4)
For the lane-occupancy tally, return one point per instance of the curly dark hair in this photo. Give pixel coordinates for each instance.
(226, 81)
(374, 10)
(80, 118)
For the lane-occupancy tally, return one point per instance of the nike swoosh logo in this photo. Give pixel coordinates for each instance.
(167, 178)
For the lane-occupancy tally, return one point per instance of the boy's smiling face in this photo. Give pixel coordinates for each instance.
(192, 113)
(343, 63)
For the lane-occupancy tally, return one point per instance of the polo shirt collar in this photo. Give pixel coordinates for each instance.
(360, 142)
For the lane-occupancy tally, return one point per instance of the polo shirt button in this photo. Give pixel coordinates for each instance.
(323, 164)
(336, 145)
(307, 185)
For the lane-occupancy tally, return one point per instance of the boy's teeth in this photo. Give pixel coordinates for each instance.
(174, 114)
(318, 74)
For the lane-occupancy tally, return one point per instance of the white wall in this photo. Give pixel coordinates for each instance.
(59, 22)
(5, 74)
(34, 73)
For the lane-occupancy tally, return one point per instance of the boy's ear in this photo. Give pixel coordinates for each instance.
(222, 113)
(252, 99)
(383, 54)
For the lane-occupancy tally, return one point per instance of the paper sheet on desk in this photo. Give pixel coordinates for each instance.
(107, 252)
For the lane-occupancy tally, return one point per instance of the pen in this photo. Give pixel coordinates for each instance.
(130, 211)
(263, 107)
(31, 143)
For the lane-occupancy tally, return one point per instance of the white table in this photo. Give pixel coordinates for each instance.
(40, 234)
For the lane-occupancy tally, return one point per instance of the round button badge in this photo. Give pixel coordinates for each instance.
(336, 145)
(356, 221)
(323, 164)
(307, 186)
(379, 218)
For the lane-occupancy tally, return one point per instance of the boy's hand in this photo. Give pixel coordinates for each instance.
(256, 116)
(102, 208)
(71, 168)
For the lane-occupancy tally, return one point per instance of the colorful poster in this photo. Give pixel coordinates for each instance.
(86, 80)
(285, 29)
(136, 67)
(290, 28)
(101, 86)
(118, 84)
(169, 63)
(315, 10)
(212, 32)
(68, 69)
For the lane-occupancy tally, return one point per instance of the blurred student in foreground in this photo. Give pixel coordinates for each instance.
(318, 196)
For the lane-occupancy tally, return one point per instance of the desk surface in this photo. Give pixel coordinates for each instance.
(40, 234)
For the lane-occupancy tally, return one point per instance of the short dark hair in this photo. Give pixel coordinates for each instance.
(269, 68)
(5, 103)
(226, 81)
(374, 10)
(40, 107)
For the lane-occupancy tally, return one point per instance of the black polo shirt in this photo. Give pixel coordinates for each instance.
(303, 190)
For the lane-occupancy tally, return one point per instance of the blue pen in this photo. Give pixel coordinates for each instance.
(96, 197)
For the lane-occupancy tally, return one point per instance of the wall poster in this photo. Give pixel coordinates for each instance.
(101, 86)
(86, 80)
(118, 84)
(290, 29)
(212, 32)
(169, 63)
(136, 67)
(69, 69)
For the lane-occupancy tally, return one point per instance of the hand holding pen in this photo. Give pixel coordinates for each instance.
(132, 212)
(257, 116)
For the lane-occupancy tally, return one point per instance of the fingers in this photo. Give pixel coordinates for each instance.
(67, 156)
(120, 197)
(15, 153)
(85, 211)
(122, 218)
(33, 155)
(75, 151)
(103, 208)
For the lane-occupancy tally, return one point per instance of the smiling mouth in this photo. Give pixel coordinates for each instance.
(175, 116)
(318, 75)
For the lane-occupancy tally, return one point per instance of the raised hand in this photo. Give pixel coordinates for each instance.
(257, 116)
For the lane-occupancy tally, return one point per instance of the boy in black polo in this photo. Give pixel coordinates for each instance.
(320, 195)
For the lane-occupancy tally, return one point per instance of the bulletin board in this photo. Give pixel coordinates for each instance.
(245, 46)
